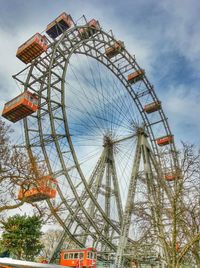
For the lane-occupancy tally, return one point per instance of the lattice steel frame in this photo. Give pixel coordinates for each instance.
(58, 56)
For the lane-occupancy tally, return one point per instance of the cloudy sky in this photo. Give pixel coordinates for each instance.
(164, 36)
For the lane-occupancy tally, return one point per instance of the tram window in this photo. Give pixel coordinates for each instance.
(75, 255)
(89, 255)
(71, 255)
(66, 256)
(81, 255)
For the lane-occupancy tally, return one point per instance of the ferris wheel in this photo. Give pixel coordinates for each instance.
(99, 128)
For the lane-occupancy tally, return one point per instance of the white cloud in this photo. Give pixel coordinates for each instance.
(165, 26)
(182, 106)
(182, 28)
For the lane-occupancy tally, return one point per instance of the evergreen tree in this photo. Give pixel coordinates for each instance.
(21, 236)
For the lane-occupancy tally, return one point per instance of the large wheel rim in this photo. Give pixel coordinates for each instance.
(47, 76)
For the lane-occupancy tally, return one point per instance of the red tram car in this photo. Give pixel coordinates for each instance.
(84, 258)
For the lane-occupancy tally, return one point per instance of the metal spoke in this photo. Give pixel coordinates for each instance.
(85, 130)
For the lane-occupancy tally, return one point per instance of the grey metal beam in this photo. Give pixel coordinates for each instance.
(129, 206)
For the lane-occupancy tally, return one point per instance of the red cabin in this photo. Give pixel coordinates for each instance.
(170, 176)
(32, 48)
(41, 189)
(152, 107)
(114, 49)
(173, 174)
(136, 76)
(79, 258)
(21, 106)
(162, 141)
(60, 24)
(177, 247)
(87, 32)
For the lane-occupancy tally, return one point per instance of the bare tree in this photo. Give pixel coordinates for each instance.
(173, 223)
(189, 218)
(49, 240)
(178, 230)
(16, 170)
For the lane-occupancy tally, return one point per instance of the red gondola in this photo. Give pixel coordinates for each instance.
(114, 49)
(32, 48)
(60, 24)
(170, 176)
(136, 76)
(177, 247)
(79, 258)
(21, 106)
(41, 189)
(162, 141)
(152, 107)
(87, 32)
(173, 174)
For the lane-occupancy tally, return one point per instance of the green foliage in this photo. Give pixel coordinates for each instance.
(21, 236)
